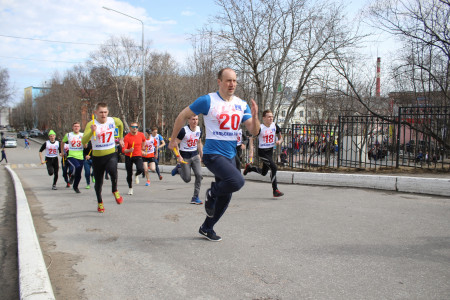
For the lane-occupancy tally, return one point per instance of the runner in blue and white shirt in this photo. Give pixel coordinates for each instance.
(223, 114)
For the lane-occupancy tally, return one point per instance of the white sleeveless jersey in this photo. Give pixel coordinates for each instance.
(149, 146)
(104, 135)
(190, 140)
(239, 138)
(267, 136)
(52, 150)
(224, 118)
(74, 141)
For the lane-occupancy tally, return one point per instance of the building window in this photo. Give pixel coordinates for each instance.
(283, 113)
(301, 114)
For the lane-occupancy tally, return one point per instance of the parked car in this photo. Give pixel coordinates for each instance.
(35, 133)
(22, 134)
(10, 142)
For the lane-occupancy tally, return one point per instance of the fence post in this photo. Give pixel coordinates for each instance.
(339, 137)
(399, 122)
(291, 150)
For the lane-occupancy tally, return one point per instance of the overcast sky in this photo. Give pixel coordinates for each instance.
(84, 24)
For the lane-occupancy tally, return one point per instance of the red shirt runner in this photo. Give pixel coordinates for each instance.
(138, 139)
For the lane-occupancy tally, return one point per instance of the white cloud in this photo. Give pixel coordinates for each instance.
(187, 13)
(75, 21)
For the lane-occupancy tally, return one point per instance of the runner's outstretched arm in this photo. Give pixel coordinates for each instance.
(180, 121)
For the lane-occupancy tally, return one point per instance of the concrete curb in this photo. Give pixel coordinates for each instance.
(418, 185)
(34, 282)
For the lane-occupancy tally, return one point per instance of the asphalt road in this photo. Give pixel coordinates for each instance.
(314, 243)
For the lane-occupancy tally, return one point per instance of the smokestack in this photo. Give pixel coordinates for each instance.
(378, 92)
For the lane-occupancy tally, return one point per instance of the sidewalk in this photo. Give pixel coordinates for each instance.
(397, 182)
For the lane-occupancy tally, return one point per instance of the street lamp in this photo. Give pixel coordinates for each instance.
(143, 64)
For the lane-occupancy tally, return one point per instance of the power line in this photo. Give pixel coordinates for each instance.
(49, 41)
(60, 61)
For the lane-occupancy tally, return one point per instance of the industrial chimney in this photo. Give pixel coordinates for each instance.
(378, 92)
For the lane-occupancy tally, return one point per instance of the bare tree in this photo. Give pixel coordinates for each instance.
(5, 88)
(424, 29)
(122, 58)
(282, 43)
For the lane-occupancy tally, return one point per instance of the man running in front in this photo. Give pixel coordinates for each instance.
(191, 152)
(103, 150)
(223, 113)
(75, 157)
(133, 154)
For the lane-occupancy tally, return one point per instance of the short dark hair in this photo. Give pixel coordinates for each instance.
(266, 112)
(154, 128)
(76, 123)
(219, 75)
(101, 104)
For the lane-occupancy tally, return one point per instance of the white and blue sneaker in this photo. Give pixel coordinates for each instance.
(195, 200)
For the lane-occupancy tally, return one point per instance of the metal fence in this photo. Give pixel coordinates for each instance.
(416, 138)
(423, 139)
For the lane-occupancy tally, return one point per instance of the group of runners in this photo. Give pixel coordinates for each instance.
(97, 148)
(223, 115)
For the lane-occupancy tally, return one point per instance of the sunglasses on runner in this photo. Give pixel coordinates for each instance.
(133, 126)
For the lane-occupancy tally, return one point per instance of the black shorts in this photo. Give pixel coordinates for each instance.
(148, 159)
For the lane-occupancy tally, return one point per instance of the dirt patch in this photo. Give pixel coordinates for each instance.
(64, 279)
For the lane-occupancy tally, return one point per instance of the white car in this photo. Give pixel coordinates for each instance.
(10, 142)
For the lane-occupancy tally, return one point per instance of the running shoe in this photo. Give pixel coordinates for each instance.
(130, 191)
(106, 177)
(101, 208)
(71, 179)
(160, 177)
(88, 187)
(118, 198)
(210, 235)
(68, 185)
(247, 169)
(277, 193)
(54, 187)
(175, 170)
(76, 190)
(209, 204)
(196, 200)
(147, 183)
(93, 179)
(136, 180)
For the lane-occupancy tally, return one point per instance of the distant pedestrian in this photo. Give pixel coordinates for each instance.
(27, 144)
(4, 154)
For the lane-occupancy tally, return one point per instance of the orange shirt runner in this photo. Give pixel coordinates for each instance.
(137, 139)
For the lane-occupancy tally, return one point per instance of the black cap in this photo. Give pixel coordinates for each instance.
(149, 131)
